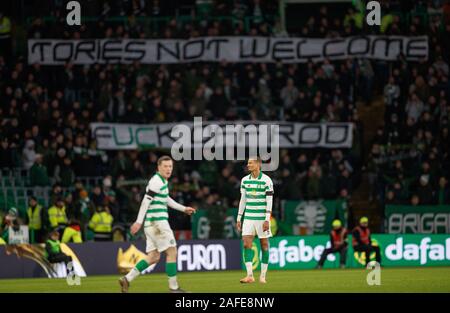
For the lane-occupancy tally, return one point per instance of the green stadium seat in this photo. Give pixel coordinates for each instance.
(7, 182)
(20, 192)
(22, 203)
(22, 208)
(2, 201)
(41, 201)
(10, 202)
(10, 192)
(19, 182)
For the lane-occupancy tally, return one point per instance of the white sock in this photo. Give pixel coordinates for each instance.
(264, 267)
(249, 266)
(173, 283)
(149, 269)
(132, 274)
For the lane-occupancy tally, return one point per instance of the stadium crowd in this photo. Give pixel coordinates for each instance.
(45, 113)
(409, 160)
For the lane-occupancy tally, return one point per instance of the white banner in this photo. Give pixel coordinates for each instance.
(231, 49)
(111, 136)
(19, 236)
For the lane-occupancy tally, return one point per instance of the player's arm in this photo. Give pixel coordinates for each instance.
(179, 207)
(145, 203)
(269, 200)
(242, 203)
(150, 192)
(269, 204)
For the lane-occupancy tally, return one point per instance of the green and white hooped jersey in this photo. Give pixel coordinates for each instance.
(255, 190)
(158, 190)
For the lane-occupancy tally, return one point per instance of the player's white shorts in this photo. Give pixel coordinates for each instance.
(255, 227)
(159, 236)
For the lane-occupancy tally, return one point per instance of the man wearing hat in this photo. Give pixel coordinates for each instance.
(362, 242)
(338, 240)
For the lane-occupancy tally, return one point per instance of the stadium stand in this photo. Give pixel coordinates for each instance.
(400, 110)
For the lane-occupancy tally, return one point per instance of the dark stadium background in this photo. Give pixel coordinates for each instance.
(400, 109)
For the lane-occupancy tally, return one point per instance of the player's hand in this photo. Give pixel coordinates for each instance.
(135, 228)
(189, 210)
(266, 226)
(238, 226)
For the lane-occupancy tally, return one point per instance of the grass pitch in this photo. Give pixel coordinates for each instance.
(436, 279)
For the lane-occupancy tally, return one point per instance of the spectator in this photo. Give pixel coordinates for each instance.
(10, 222)
(72, 233)
(414, 107)
(6, 157)
(443, 192)
(392, 95)
(264, 98)
(424, 190)
(57, 215)
(289, 94)
(198, 103)
(113, 205)
(84, 209)
(101, 224)
(107, 186)
(218, 104)
(345, 181)
(35, 220)
(56, 193)
(367, 75)
(391, 198)
(121, 165)
(53, 250)
(97, 197)
(38, 174)
(314, 176)
(415, 200)
(116, 106)
(63, 172)
(29, 155)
